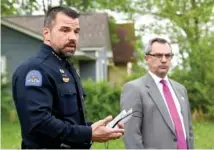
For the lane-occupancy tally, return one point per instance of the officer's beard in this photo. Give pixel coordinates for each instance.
(71, 44)
(68, 54)
(65, 54)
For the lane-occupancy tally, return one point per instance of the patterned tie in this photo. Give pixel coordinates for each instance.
(181, 142)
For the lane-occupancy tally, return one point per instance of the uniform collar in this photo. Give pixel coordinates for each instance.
(48, 49)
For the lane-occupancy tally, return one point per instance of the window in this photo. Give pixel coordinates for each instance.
(3, 64)
(3, 69)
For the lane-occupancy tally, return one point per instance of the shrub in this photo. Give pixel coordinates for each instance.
(201, 94)
(101, 100)
(7, 106)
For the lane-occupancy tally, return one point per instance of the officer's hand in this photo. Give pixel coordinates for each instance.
(120, 125)
(100, 133)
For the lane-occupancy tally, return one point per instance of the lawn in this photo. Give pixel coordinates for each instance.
(203, 131)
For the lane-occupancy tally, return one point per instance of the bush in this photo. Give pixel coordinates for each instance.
(101, 100)
(211, 112)
(133, 76)
(7, 106)
(201, 93)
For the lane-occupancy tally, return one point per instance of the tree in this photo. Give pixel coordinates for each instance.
(18, 7)
(93, 5)
(189, 23)
(24, 7)
(8, 8)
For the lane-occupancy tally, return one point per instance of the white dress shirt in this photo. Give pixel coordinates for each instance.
(177, 104)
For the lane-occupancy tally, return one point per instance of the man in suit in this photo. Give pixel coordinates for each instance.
(162, 117)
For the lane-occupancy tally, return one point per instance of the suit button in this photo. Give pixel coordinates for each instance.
(175, 139)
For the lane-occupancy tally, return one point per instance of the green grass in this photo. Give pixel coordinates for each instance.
(204, 135)
(203, 131)
(10, 135)
(114, 144)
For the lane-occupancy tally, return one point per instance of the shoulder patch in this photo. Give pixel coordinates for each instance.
(33, 78)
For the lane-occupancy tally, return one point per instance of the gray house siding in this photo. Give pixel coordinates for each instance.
(17, 47)
(87, 69)
(24, 41)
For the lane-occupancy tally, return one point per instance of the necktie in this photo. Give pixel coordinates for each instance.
(181, 142)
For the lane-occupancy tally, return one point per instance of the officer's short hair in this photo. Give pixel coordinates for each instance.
(161, 40)
(50, 16)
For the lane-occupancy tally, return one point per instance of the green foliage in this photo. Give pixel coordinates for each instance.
(112, 28)
(89, 5)
(27, 7)
(7, 8)
(133, 76)
(18, 7)
(188, 23)
(211, 112)
(101, 100)
(7, 107)
(197, 91)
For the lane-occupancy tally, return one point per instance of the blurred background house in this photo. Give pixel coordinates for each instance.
(98, 56)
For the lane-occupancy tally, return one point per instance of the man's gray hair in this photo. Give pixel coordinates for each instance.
(148, 48)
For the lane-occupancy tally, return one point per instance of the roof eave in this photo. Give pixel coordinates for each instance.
(83, 55)
(20, 29)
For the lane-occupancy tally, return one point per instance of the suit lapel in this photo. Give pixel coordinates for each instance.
(182, 103)
(156, 96)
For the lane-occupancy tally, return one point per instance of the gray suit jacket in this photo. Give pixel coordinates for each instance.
(151, 125)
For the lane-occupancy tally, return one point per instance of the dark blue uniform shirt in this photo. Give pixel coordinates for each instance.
(49, 100)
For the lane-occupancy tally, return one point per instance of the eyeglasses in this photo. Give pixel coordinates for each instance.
(160, 56)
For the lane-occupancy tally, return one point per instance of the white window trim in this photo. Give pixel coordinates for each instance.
(3, 65)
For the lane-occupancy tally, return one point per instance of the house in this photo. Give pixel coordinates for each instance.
(22, 36)
(123, 49)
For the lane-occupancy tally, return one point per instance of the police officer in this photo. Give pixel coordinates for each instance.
(48, 94)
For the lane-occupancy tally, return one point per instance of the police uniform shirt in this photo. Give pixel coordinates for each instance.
(49, 101)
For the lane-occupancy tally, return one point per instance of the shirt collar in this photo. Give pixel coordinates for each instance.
(48, 49)
(158, 79)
